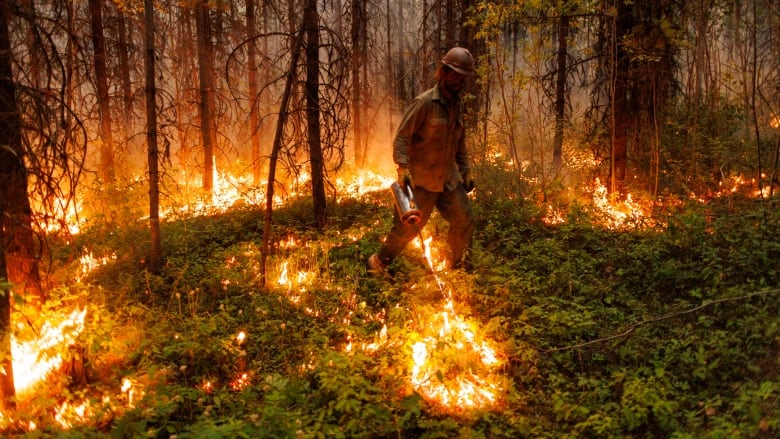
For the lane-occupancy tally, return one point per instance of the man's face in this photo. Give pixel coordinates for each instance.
(454, 81)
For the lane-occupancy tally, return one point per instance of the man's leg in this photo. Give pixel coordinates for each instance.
(455, 207)
(401, 233)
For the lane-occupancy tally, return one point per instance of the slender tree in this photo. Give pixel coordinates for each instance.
(561, 75)
(13, 186)
(101, 82)
(357, 38)
(124, 45)
(206, 80)
(151, 139)
(295, 50)
(254, 119)
(311, 23)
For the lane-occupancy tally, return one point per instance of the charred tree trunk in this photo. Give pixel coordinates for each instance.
(124, 72)
(101, 82)
(621, 113)
(311, 23)
(151, 139)
(254, 126)
(12, 174)
(21, 256)
(206, 79)
(560, 92)
(356, 33)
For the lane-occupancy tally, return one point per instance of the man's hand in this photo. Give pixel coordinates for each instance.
(405, 177)
(468, 183)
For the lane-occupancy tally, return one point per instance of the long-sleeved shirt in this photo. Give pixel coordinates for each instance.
(431, 141)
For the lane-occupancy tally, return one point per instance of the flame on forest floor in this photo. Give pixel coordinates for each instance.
(613, 213)
(34, 360)
(31, 359)
(229, 191)
(450, 365)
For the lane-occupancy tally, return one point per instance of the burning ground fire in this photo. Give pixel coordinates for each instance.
(452, 363)
(40, 354)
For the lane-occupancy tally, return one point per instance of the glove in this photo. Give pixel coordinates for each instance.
(468, 184)
(405, 177)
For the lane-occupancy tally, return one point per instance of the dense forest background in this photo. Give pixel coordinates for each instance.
(625, 155)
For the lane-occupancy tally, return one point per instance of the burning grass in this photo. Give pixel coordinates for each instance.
(325, 349)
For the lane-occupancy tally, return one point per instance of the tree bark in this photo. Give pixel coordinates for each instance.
(356, 33)
(277, 145)
(311, 23)
(12, 178)
(151, 140)
(101, 82)
(21, 254)
(124, 73)
(254, 126)
(560, 92)
(206, 79)
(620, 105)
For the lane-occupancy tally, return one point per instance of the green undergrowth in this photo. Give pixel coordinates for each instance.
(553, 299)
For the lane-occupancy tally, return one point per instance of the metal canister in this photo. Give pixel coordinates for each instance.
(405, 204)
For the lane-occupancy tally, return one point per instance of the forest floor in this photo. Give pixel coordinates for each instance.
(665, 327)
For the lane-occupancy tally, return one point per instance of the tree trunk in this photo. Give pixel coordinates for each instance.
(124, 73)
(151, 139)
(206, 78)
(403, 95)
(12, 178)
(254, 126)
(277, 145)
(560, 92)
(311, 23)
(15, 213)
(357, 109)
(620, 105)
(101, 82)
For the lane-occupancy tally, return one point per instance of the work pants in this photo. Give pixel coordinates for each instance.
(454, 206)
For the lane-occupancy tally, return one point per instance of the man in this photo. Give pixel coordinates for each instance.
(430, 152)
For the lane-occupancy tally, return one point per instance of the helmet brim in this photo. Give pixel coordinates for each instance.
(458, 69)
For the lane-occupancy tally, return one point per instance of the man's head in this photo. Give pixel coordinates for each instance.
(456, 66)
(459, 60)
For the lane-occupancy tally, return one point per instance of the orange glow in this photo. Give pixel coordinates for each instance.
(240, 382)
(450, 366)
(30, 360)
(88, 263)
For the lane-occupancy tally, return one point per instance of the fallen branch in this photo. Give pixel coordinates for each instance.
(633, 326)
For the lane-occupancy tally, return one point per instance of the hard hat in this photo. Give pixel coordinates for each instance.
(460, 60)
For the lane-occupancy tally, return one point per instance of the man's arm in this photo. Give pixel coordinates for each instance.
(412, 120)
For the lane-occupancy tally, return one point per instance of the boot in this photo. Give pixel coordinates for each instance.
(376, 266)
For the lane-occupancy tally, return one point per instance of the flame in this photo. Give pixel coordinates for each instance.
(241, 381)
(30, 361)
(88, 263)
(451, 367)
